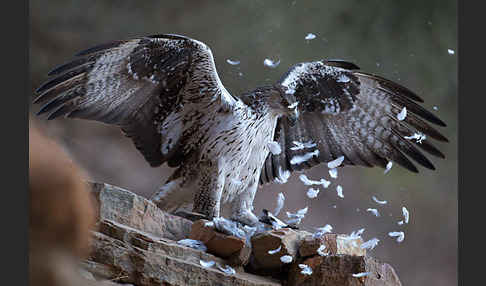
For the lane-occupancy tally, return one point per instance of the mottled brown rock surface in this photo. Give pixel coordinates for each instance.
(131, 256)
(338, 270)
(335, 244)
(287, 239)
(232, 248)
(136, 243)
(217, 243)
(127, 208)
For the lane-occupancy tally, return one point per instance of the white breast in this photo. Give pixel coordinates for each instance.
(245, 159)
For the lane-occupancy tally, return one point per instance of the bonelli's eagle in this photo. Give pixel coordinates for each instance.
(164, 93)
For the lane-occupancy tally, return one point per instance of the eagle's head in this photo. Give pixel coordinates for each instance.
(271, 99)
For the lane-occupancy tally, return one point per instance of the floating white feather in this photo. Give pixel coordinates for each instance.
(274, 147)
(361, 274)
(233, 62)
(299, 214)
(206, 264)
(227, 269)
(280, 203)
(306, 270)
(310, 36)
(275, 250)
(309, 182)
(320, 250)
(296, 218)
(406, 214)
(418, 136)
(339, 191)
(271, 64)
(312, 193)
(378, 201)
(320, 231)
(355, 234)
(298, 159)
(373, 211)
(370, 244)
(333, 173)
(283, 176)
(388, 167)
(302, 145)
(401, 116)
(335, 163)
(343, 78)
(286, 259)
(398, 234)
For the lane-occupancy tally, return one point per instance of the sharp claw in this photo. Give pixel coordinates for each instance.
(269, 219)
(192, 216)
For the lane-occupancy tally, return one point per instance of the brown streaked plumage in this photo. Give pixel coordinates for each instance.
(165, 94)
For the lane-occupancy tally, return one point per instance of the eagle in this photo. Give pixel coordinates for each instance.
(164, 92)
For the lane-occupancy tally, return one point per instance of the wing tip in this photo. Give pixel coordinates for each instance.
(441, 123)
(57, 113)
(392, 86)
(40, 88)
(342, 64)
(168, 36)
(411, 167)
(432, 118)
(68, 66)
(99, 48)
(38, 99)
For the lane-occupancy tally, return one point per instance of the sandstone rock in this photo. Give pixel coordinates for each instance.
(240, 258)
(337, 270)
(285, 238)
(132, 256)
(192, 216)
(335, 244)
(127, 208)
(226, 246)
(350, 246)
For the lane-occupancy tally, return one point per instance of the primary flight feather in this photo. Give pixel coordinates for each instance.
(164, 93)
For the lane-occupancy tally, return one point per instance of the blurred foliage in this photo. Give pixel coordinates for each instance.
(406, 41)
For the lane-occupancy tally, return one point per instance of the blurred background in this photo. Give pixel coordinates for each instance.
(412, 42)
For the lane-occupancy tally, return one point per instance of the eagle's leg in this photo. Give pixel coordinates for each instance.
(207, 197)
(242, 206)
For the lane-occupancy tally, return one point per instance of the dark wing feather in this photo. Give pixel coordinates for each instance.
(349, 113)
(135, 84)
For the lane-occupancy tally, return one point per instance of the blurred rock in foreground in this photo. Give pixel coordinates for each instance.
(61, 215)
(136, 243)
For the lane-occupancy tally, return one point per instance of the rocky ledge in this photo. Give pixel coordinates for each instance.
(136, 243)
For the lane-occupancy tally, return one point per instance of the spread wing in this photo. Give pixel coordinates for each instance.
(142, 85)
(346, 112)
